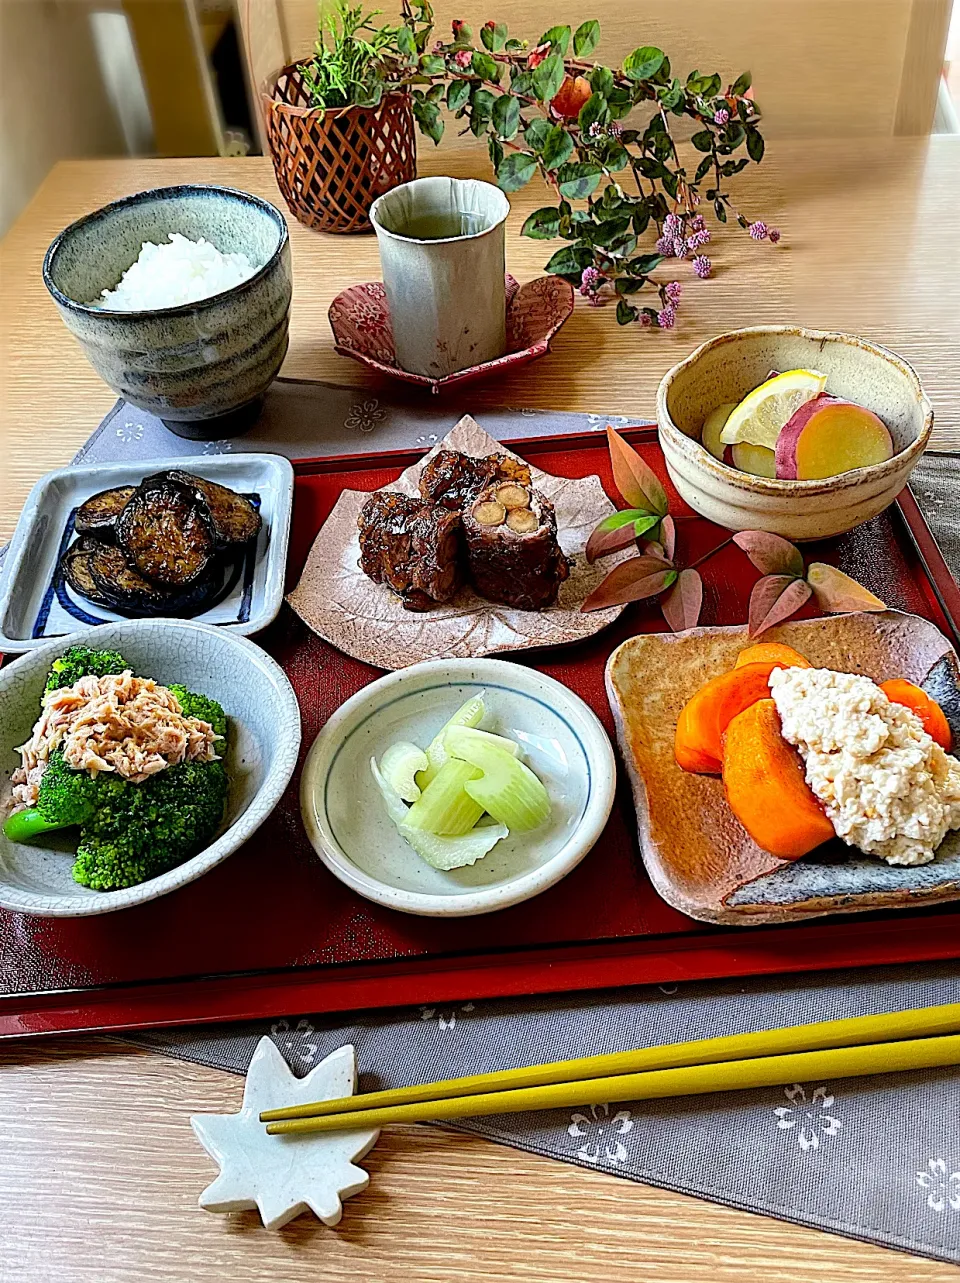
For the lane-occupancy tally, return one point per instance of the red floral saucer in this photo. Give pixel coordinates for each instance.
(360, 320)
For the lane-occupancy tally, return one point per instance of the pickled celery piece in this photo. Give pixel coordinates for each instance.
(444, 808)
(468, 714)
(399, 766)
(473, 736)
(441, 853)
(507, 789)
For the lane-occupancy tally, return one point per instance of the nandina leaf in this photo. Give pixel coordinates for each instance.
(619, 531)
(837, 593)
(668, 537)
(632, 580)
(636, 480)
(771, 554)
(682, 605)
(774, 599)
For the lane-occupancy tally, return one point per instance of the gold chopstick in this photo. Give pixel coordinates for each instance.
(734, 1075)
(917, 1022)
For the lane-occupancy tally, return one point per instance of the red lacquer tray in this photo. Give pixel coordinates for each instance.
(271, 932)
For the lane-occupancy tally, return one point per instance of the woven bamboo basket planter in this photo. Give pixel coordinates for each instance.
(332, 163)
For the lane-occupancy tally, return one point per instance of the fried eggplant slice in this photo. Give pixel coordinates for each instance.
(122, 584)
(166, 532)
(235, 519)
(100, 512)
(75, 566)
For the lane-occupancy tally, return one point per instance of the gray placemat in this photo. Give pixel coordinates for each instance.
(875, 1158)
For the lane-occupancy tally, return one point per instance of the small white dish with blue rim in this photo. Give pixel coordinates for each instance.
(36, 603)
(561, 740)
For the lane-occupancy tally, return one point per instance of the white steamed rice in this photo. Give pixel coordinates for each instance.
(182, 271)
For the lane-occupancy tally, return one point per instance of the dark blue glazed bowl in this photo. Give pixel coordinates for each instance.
(200, 367)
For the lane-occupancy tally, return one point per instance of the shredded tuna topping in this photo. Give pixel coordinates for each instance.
(121, 723)
(886, 787)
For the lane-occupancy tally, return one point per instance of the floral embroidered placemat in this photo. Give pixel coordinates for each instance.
(874, 1158)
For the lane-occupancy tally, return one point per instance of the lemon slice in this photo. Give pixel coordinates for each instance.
(764, 411)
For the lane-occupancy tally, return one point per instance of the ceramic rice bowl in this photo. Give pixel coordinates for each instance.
(731, 365)
(200, 367)
(263, 720)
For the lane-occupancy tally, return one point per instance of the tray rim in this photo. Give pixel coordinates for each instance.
(897, 936)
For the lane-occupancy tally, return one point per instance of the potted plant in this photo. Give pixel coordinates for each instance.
(627, 198)
(340, 124)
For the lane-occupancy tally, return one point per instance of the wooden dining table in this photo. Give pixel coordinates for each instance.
(99, 1170)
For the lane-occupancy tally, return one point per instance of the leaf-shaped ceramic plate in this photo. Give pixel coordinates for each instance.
(698, 856)
(336, 599)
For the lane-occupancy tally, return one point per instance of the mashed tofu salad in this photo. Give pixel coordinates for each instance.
(808, 753)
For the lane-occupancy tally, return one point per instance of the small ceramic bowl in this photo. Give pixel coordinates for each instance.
(200, 367)
(263, 742)
(731, 365)
(562, 741)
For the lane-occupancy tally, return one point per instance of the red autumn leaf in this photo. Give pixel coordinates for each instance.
(682, 605)
(632, 580)
(771, 554)
(668, 537)
(774, 599)
(837, 593)
(636, 480)
(618, 531)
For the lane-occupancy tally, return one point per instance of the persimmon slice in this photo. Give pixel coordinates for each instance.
(772, 652)
(704, 718)
(900, 691)
(764, 781)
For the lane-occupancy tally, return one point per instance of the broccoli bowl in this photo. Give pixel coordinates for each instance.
(133, 758)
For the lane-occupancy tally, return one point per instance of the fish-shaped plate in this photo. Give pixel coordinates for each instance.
(699, 857)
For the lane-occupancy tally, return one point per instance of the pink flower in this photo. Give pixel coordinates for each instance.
(590, 282)
(664, 246)
(702, 266)
(536, 56)
(697, 223)
(698, 239)
(758, 230)
(615, 129)
(645, 319)
(463, 58)
(774, 235)
(666, 318)
(673, 291)
(721, 117)
(595, 130)
(679, 248)
(672, 225)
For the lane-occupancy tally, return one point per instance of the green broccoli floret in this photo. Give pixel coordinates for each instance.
(202, 706)
(132, 832)
(80, 661)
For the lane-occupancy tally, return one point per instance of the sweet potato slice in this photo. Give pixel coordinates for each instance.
(704, 718)
(899, 691)
(765, 786)
(772, 652)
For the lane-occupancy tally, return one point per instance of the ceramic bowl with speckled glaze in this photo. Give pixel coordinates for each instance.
(263, 720)
(728, 367)
(561, 740)
(200, 367)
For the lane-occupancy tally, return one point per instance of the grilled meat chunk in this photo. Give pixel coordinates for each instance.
(98, 515)
(454, 480)
(413, 548)
(512, 549)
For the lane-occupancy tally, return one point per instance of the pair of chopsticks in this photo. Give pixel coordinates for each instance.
(921, 1038)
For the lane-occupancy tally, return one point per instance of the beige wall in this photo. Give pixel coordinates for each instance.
(820, 68)
(52, 100)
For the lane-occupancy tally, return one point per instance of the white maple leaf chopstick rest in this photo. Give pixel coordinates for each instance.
(283, 1176)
